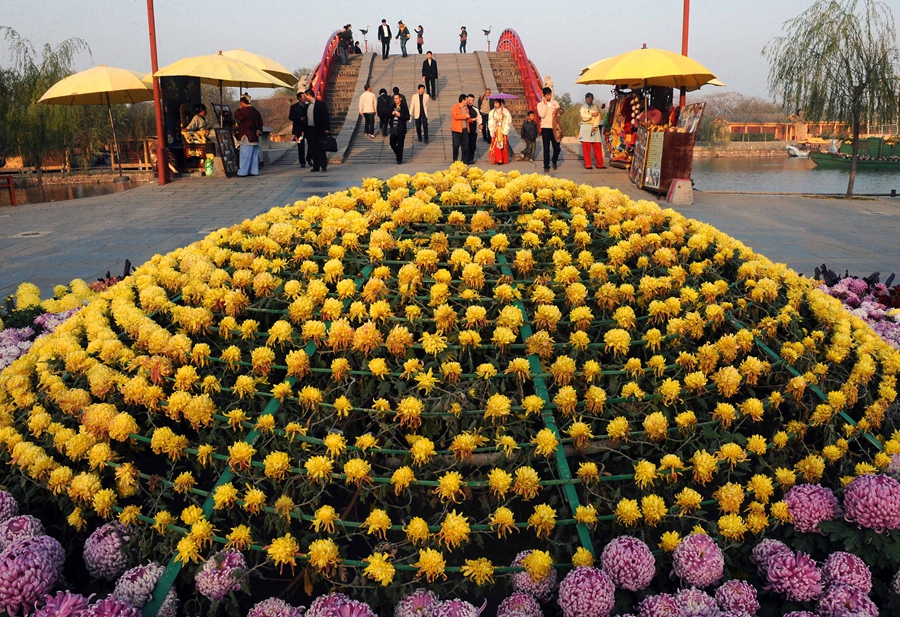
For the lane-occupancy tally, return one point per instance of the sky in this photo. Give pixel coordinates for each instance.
(560, 37)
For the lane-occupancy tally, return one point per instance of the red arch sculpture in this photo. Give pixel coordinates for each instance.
(531, 79)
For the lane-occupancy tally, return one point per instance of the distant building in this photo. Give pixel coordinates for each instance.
(777, 127)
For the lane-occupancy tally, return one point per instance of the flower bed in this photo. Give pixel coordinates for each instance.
(876, 304)
(466, 380)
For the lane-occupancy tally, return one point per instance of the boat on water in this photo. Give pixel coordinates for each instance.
(875, 154)
(797, 152)
(836, 160)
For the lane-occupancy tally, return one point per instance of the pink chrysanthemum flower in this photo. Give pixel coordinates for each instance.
(795, 575)
(698, 560)
(63, 604)
(763, 551)
(735, 595)
(103, 554)
(27, 573)
(221, 574)
(522, 581)
(811, 504)
(629, 563)
(110, 607)
(845, 601)
(872, 501)
(50, 546)
(419, 603)
(518, 604)
(324, 605)
(660, 605)
(136, 588)
(456, 608)
(587, 592)
(9, 507)
(695, 602)
(275, 607)
(847, 569)
(19, 528)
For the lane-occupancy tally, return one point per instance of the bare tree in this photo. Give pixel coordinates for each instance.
(838, 60)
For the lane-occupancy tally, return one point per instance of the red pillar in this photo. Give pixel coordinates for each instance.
(685, 28)
(162, 162)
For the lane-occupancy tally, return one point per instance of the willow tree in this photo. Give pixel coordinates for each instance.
(838, 60)
(32, 129)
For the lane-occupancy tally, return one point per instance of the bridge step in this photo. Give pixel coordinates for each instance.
(459, 73)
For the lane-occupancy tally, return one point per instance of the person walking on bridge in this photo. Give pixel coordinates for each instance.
(474, 127)
(459, 123)
(403, 36)
(485, 108)
(420, 31)
(318, 122)
(548, 108)
(430, 75)
(500, 121)
(345, 42)
(418, 110)
(463, 37)
(367, 109)
(399, 120)
(297, 116)
(383, 108)
(384, 35)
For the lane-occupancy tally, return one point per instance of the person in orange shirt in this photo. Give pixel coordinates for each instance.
(459, 127)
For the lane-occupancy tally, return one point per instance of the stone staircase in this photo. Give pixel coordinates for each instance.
(341, 89)
(458, 73)
(503, 65)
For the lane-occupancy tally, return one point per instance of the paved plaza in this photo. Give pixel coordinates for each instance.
(52, 243)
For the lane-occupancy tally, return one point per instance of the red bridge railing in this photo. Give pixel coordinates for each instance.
(322, 72)
(531, 79)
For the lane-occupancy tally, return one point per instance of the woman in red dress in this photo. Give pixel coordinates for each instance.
(499, 123)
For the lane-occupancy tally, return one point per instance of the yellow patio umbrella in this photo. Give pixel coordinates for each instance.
(102, 85)
(263, 63)
(220, 70)
(648, 67)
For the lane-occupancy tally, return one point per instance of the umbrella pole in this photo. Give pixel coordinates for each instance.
(221, 107)
(115, 141)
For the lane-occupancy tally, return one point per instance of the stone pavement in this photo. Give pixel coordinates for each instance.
(52, 243)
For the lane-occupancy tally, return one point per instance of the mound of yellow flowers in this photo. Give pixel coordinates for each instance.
(421, 377)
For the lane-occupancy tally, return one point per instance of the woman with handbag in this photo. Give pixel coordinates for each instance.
(399, 120)
(499, 121)
(419, 38)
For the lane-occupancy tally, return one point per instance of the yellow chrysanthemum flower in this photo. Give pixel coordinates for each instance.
(627, 512)
(431, 564)
(323, 554)
(379, 568)
(480, 570)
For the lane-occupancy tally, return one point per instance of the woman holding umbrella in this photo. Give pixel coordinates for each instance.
(499, 123)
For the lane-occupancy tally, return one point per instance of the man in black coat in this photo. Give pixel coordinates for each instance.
(318, 123)
(473, 129)
(297, 116)
(430, 75)
(384, 105)
(399, 122)
(384, 35)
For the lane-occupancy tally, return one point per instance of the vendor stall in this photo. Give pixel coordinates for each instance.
(646, 132)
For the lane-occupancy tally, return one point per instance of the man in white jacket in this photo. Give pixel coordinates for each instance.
(418, 109)
(367, 111)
